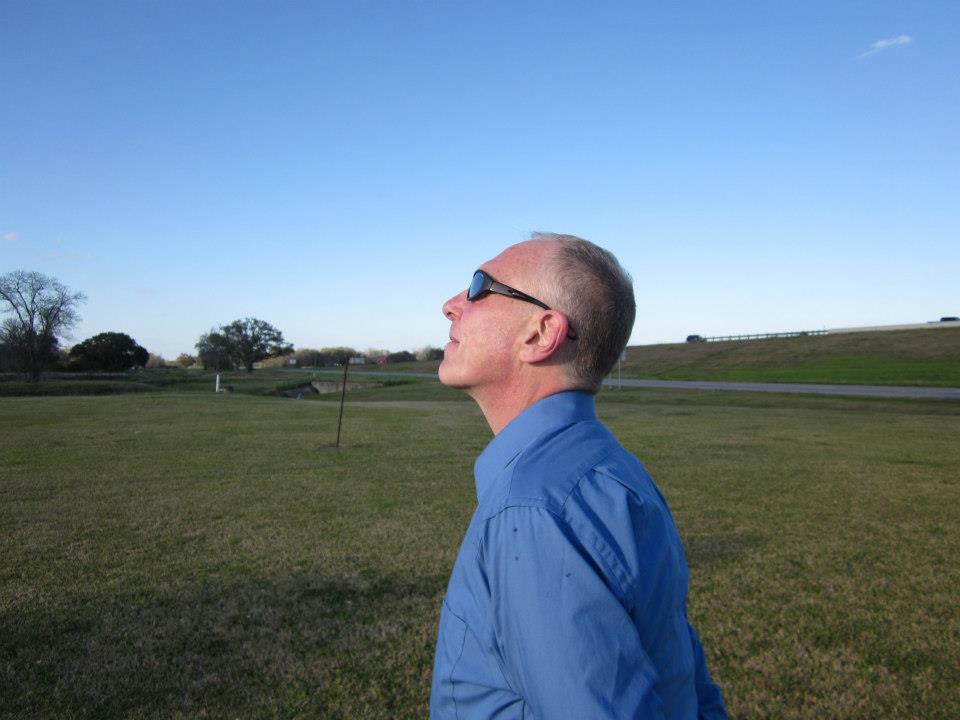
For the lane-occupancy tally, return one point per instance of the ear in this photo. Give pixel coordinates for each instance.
(545, 337)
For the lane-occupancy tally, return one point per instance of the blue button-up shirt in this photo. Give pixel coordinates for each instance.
(568, 596)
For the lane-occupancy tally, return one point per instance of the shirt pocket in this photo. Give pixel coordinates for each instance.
(450, 642)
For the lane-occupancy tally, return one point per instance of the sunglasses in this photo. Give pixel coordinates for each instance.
(483, 284)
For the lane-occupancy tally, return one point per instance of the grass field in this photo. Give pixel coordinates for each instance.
(184, 554)
(261, 382)
(901, 357)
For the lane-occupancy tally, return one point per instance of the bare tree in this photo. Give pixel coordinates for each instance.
(42, 309)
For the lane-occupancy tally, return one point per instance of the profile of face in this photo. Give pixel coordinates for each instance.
(486, 334)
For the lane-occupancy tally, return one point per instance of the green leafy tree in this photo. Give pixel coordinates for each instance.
(109, 352)
(213, 351)
(41, 310)
(245, 342)
(326, 356)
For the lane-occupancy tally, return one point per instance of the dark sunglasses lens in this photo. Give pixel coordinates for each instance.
(476, 285)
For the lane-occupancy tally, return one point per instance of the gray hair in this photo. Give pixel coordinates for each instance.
(592, 289)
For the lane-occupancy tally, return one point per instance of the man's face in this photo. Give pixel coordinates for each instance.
(486, 335)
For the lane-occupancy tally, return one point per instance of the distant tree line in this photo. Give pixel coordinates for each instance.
(40, 311)
(334, 356)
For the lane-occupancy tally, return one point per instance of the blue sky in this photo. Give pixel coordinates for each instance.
(340, 168)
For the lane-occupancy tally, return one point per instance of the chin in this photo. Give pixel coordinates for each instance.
(447, 373)
(444, 373)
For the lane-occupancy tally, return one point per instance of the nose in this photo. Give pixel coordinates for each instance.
(451, 308)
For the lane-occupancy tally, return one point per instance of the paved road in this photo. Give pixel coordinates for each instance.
(810, 389)
(894, 391)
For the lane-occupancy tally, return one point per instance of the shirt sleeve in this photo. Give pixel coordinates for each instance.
(709, 698)
(569, 646)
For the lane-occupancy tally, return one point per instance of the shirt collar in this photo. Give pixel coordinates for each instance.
(552, 412)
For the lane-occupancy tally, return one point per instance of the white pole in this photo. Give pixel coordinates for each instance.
(216, 385)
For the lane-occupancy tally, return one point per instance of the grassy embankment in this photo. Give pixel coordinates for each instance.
(195, 555)
(905, 357)
(901, 357)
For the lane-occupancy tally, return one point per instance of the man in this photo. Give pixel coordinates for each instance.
(568, 596)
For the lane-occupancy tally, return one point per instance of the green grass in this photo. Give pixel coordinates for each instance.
(197, 555)
(260, 382)
(903, 357)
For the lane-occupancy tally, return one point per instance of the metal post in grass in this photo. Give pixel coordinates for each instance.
(216, 384)
(343, 395)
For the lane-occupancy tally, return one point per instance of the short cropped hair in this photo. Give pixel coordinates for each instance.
(592, 289)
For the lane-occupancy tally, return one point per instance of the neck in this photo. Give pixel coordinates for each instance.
(502, 404)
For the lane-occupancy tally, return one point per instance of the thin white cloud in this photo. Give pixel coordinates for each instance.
(886, 43)
(10, 237)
